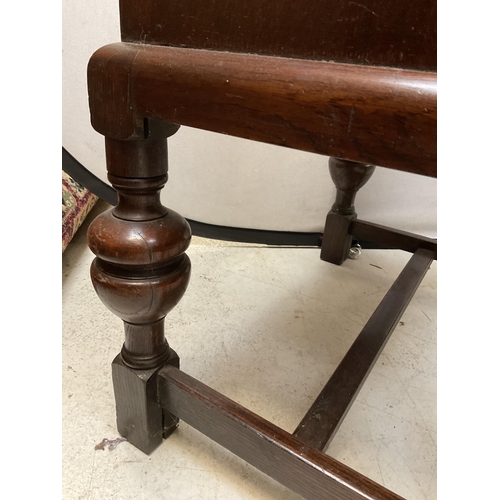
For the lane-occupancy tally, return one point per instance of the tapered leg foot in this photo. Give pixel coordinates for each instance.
(348, 178)
(140, 273)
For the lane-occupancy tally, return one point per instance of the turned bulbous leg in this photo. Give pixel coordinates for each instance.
(348, 178)
(140, 273)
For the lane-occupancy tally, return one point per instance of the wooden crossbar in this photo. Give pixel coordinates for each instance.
(295, 464)
(374, 115)
(390, 237)
(326, 414)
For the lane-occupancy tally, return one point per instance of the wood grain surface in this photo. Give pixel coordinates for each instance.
(372, 115)
(305, 470)
(393, 33)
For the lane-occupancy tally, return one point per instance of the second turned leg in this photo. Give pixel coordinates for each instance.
(140, 273)
(348, 178)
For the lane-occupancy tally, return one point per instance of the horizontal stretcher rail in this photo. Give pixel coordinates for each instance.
(391, 238)
(280, 455)
(373, 115)
(326, 414)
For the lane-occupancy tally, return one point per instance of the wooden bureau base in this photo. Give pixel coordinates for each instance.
(366, 97)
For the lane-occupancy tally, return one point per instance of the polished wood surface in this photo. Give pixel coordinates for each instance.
(393, 33)
(140, 273)
(349, 177)
(378, 116)
(355, 81)
(303, 469)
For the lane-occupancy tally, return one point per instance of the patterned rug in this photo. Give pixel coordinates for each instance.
(77, 201)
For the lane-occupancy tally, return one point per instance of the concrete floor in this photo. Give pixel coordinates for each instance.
(266, 327)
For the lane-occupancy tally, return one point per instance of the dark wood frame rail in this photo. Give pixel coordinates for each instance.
(359, 115)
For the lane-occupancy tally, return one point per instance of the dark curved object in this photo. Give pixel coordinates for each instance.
(202, 229)
(365, 114)
(259, 236)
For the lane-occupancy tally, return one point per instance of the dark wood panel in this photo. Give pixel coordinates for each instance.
(326, 414)
(270, 449)
(394, 33)
(370, 115)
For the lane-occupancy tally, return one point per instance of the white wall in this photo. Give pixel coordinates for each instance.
(230, 181)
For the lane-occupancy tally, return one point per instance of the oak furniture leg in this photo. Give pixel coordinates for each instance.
(348, 177)
(140, 273)
(383, 114)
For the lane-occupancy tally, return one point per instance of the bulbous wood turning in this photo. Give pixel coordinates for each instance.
(141, 271)
(348, 177)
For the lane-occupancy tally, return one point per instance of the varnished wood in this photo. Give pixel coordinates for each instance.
(140, 417)
(354, 81)
(377, 116)
(140, 273)
(348, 178)
(393, 33)
(270, 449)
(336, 240)
(391, 238)
(327, 412)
